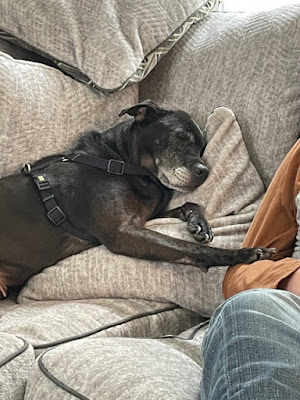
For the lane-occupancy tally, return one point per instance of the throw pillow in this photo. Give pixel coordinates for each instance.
(106, 44)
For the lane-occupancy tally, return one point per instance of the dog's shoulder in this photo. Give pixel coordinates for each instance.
(110, 143)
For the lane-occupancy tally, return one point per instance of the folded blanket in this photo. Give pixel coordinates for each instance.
(230, 197)
(233, 190)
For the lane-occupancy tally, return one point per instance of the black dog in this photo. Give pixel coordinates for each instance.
(104, 191)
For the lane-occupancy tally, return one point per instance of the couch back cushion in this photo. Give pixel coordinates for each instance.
(107, 44)
(43, 111)
(248, 62)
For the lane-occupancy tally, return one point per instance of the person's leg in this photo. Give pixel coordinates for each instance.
(251, 349)
(274, 225)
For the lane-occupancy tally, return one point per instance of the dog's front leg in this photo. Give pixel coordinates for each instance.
(197, 225)
(139, 242)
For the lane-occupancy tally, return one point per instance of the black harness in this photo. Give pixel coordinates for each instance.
(54, 213)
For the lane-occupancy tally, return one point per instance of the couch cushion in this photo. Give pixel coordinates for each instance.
(16, 360)
(107, 44)
(43, 111)
(248, 62)
(109, 275)
(7, 304)
(46, 324)
(115, 368)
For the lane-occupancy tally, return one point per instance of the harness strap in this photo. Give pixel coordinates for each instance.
(55, 213)
(112, 166)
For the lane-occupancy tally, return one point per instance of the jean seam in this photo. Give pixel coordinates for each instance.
(226, 372)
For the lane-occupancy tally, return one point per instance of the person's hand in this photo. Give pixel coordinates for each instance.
(291, 283)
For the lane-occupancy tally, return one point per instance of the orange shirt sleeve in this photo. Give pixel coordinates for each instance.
(274, 225)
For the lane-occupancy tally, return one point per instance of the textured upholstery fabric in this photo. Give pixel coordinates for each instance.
(16, 360)
(102, 43)
(248, 62)
(7, 304)
(109, 275)
(115, 368)
(43, 111)
(45, 324)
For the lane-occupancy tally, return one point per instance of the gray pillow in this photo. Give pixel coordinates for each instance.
(107, 44)
(249, 62)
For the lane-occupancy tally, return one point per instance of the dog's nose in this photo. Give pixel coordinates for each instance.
(200, 170)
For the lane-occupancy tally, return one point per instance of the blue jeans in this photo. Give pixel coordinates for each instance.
(252, 348)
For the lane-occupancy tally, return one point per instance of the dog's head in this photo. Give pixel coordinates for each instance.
(169, 143)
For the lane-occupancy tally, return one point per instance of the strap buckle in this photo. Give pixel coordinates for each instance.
(56, 215)
(115, 167)
(41, 182)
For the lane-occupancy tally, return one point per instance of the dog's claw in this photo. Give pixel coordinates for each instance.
(250, 255)
(203, 237)
(258, 254)
(207, 238)
(3, 291)
(264, 253)
(200, 233)
(198, 230)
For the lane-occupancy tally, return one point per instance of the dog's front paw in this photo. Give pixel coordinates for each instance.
(263, 253)
(256, 254)
(200, 229)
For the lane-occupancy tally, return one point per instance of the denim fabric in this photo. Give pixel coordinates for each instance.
(252, 348)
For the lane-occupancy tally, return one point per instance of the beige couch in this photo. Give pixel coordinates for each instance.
(102, 326)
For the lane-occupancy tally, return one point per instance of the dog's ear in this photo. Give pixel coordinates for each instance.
(142, 111)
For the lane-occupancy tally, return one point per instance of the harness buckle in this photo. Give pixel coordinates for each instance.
(41, 182)
(115, 167)
(56, 215)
